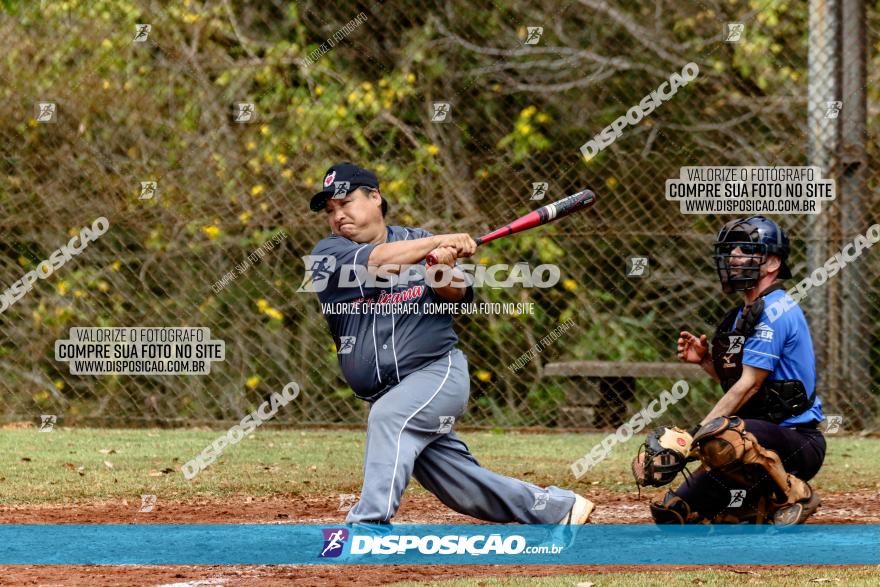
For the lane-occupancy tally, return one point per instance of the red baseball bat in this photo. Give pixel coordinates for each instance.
(543, 215)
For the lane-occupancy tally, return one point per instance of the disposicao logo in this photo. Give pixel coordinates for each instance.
(334, 541)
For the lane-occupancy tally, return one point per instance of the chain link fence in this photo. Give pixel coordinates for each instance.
(148, 130)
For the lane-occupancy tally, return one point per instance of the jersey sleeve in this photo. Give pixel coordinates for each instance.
(346, 262)
(415, 233)
(764, 347)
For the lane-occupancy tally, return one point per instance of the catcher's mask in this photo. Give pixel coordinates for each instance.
(755, 237)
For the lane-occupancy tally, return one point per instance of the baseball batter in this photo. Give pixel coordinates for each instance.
(407, 365)
(760, 444)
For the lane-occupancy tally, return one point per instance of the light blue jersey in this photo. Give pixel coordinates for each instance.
(784, 347)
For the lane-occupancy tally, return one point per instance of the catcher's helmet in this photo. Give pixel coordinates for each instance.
(756, 237)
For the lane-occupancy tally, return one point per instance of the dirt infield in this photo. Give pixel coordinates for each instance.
(613, 508)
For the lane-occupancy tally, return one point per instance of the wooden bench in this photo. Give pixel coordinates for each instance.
(597, 391)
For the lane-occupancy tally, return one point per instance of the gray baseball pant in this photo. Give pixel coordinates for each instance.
(409, 435)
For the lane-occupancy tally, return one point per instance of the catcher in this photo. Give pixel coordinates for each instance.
(760, 444)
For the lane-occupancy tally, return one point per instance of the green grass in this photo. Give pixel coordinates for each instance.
(787, 577)
(68, 464)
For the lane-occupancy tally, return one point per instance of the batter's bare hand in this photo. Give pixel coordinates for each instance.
(444, 255)
(463, 244)
(692, 349)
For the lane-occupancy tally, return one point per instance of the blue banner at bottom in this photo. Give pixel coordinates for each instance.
(260, 544)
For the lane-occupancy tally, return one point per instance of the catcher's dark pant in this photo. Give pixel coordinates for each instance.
(802, 452)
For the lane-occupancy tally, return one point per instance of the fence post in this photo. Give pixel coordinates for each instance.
(822, 130)
(855, 332)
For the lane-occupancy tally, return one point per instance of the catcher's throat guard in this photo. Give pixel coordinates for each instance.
(664, 455)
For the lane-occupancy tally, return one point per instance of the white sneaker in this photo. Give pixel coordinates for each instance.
(580, 512)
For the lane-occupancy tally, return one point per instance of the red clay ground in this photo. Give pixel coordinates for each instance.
(613, 508)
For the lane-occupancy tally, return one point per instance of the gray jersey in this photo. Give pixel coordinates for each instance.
(376, 349)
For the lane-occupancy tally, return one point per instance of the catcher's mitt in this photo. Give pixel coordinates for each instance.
(664, 455)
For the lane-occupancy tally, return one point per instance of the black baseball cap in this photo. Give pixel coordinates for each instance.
(342, 179)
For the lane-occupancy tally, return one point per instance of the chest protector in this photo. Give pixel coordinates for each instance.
(775, 401)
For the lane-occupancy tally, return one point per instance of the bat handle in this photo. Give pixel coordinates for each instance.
(432, 260)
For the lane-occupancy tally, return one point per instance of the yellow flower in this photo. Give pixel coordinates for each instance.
(103, 286)
(341, 111)
(59, 385)
(570, 284)
(274, 314)
(432, 149)
(61, 287)
(383, 83)
(287, 174)
(262, 304)
(542, 118)
(264, 206)
(264, 130)
(352, 97)
(523, 128)
(528, 112)
(281, 158)
(367, 86)
(484, 260)
(190, 17)
(106, 85)
(107, 44)
(211, 231)
(116, 265)
(484, 173)
(257, 189)
(611, 182)
(244, 217)
(484, 376)
(252, 382)
(250, 146)
(22, 260)
(410, 78)
(127, 85)
(78, 293)
(319, 90)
